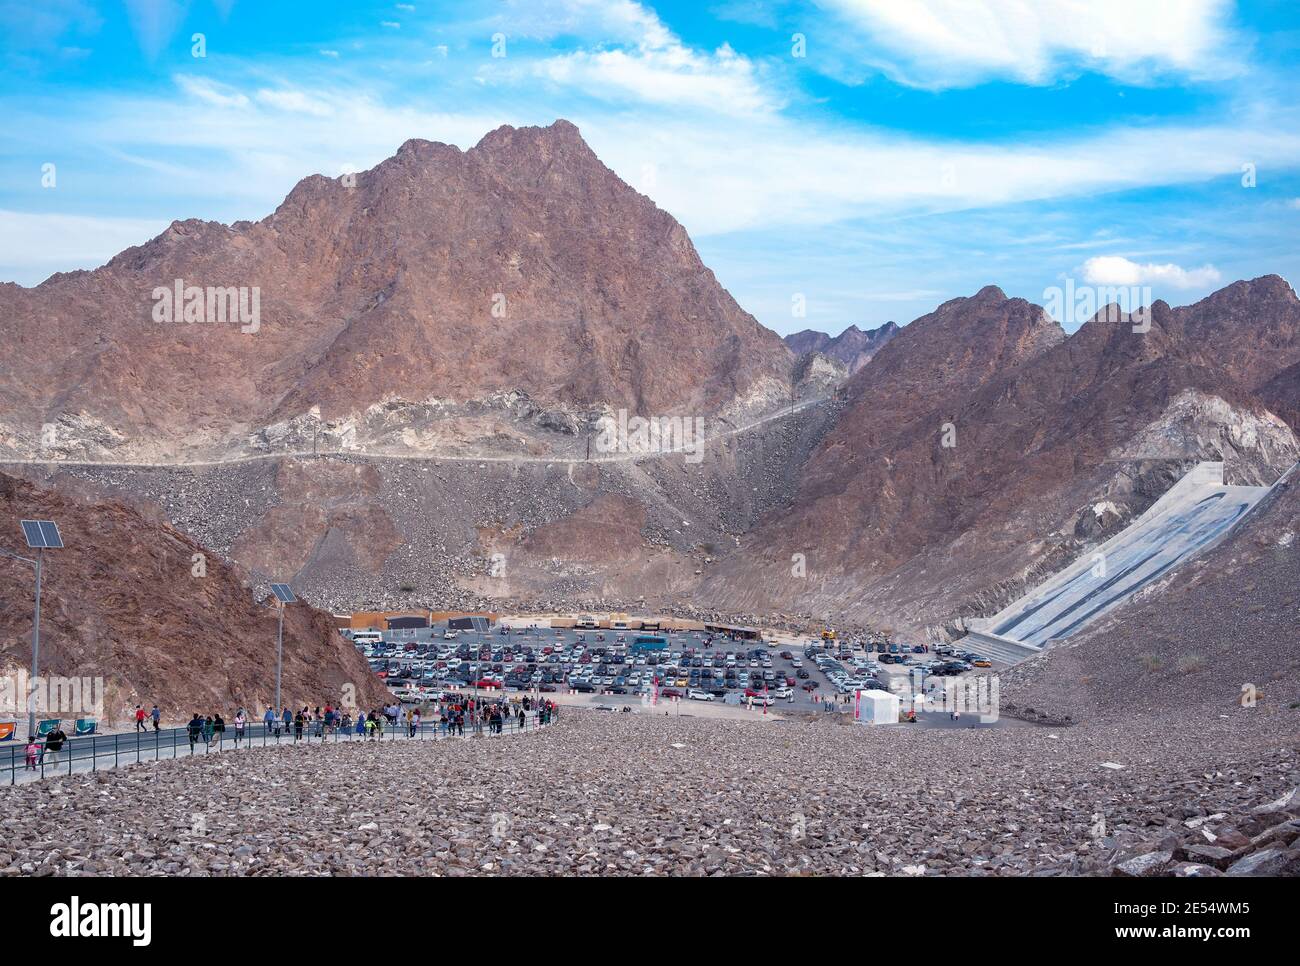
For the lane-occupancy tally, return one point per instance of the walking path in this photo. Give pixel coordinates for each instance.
(99, 752)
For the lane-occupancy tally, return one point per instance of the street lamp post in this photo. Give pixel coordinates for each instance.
(283, 595)
(41, 535)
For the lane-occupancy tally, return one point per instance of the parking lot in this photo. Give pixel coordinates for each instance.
(790, 674)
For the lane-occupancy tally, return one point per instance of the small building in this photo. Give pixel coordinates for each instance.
(735, 631)
(470, 622)
(406, 622)
(875, 707)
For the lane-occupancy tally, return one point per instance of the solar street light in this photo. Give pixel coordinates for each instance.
(41, 535)
(283, 595)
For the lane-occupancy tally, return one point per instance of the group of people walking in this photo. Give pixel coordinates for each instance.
(451, 716)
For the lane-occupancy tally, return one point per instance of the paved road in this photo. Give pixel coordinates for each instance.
(434, 457)
(99, 752)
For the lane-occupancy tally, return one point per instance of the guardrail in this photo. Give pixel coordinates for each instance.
(91, 753)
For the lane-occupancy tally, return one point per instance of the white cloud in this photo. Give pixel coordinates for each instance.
(1117, 270)
(155, 22)
(954, 43)
(35, 246)
(209, 92)
(634, 55)
(296, 102)
(670, 75)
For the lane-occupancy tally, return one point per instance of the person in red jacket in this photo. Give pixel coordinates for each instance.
(139, 718)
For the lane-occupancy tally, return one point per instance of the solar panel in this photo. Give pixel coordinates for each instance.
(42, 534)
(283, 593)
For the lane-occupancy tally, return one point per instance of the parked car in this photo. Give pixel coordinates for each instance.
(695, 694)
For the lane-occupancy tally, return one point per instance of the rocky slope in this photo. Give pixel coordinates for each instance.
(418, 296)
(159, 617)
(853, 347)
(972, 449)
(1216, 637)
(702, 797)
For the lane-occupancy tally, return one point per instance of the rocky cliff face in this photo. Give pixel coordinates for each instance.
(971, 450)
(853, 347)
(160, 618)
(439, 278)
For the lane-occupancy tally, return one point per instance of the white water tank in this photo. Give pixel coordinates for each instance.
(875, 707)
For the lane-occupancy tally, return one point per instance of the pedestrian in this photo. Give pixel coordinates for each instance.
(157, 718)
(415, 722)
(241, 721)
(53, 745)
(139, 718)
(33, 751)
(218, 729)
(194, 729)
(207, 729)
(371, 724)
(361, 723)
(269, 721)
(298, 721)
(287, 718)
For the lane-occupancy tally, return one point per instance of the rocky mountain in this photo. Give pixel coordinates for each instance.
(520, 283)
(160, 618)
(971, 451)
(853, 347)
(1218, 638)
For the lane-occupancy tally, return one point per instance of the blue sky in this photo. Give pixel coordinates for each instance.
(867, 159)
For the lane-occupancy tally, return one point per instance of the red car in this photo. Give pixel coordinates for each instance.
(486, 683)
(670, 693)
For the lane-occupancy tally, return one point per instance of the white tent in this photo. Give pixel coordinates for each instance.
(875, 707)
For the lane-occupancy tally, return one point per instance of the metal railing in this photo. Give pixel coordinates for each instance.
(91, 753)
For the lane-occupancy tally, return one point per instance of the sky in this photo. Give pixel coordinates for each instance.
(835, 162)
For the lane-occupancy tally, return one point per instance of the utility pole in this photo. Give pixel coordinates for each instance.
(41, 535)
(283, 595)
(36, 647)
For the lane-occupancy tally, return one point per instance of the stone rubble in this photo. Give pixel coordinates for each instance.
(605, 794)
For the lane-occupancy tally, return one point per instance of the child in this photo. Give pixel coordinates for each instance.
(33, 750)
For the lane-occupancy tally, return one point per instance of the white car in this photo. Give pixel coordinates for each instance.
(782, 693)
(696, 695)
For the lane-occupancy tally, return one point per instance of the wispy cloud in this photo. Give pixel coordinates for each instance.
(956, 43)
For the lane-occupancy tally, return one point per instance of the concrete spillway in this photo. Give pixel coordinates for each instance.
(1197, 512)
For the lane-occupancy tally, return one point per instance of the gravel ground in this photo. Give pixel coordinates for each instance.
(605, 793)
